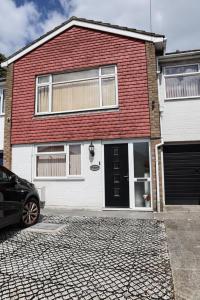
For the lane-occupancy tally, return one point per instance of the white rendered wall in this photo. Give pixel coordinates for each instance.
(180, 119)
(84, 193)
(1, 132)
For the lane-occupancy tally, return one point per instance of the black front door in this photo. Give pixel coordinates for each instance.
(116, 175)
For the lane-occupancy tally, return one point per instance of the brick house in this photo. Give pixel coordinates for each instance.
(82, 115)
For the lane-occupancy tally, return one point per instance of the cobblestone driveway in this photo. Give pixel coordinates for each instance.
(90, 258)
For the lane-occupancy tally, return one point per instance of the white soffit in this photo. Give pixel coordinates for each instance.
(88, 25)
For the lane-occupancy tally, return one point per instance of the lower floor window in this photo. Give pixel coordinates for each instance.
(58, 161)
(74, 159)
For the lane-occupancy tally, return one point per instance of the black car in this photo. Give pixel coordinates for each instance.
(19, 200)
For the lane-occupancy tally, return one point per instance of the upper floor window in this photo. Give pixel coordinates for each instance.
(77, 91)
(2, 101)
(182, 81)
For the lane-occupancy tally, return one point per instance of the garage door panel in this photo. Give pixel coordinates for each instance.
(182, 174)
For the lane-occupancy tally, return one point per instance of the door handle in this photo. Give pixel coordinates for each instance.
(126, 177)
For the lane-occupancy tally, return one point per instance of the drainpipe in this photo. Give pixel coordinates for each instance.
(157, 146)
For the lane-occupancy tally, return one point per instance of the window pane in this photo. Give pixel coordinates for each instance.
(108, 91)
(43, 99)
(108, 70)
(3, 176)
(181, 69)
(183, 86)
(51, 165)
(43, 79)
(76, 95)
(75, 160)
(59, 148)
(76, 75)
(141, 160)
(142, 194)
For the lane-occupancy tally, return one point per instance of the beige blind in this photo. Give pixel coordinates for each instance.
(76, 95)
(51, 165)
(108, 91)
(75, 160)
(43, 99)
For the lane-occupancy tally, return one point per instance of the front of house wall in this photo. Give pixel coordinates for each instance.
(88, 190)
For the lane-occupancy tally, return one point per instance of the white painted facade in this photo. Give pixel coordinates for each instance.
(83, 192)
(180, 118)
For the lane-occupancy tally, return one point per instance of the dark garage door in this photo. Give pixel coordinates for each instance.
(182, 174)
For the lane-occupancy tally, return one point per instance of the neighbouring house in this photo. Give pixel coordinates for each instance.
(2, 113)
(82, 115)
(179, 93)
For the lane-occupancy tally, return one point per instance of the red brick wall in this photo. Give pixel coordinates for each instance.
(74, 49)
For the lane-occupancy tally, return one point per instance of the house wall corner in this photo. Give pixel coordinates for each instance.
(154, 116)
(8, 117)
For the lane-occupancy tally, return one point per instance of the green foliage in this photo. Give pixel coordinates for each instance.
(2, 71)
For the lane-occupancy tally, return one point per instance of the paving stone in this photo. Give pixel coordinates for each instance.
(89, 258)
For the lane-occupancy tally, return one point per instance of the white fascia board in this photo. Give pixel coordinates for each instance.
(179, 56)
(103, 28)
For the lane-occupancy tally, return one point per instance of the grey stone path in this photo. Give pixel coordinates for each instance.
(90, 258)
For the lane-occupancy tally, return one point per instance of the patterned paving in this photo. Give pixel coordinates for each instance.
(89, 258)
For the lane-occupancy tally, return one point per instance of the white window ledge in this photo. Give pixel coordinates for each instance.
(183, 98)
(71, 178)
(106, 108)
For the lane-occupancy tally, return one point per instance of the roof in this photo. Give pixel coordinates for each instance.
(180, 55)
(90, 24)
(183, 52)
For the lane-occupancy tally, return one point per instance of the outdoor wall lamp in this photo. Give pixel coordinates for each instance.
(91, 149)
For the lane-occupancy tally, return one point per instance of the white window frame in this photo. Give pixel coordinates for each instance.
(2, 101)
(180, 75)
(66, 153)
(99, 77)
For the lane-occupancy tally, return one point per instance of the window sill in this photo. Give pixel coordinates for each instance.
(182, 98)
(71, 178)
(77, 111)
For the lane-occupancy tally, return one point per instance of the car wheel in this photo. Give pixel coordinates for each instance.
(30, 212)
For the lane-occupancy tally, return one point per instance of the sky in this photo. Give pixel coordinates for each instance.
(22, 21)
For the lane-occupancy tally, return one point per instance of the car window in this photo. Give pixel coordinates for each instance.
(4, 177)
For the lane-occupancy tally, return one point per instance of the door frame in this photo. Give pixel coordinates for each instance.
(130, 143)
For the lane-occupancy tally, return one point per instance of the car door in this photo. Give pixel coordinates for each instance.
(10, 199)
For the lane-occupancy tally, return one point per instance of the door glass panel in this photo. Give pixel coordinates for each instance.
(116, 151)
(116, 178)
(116, 192)
(142, 194)
(141, 160)
(116, 165)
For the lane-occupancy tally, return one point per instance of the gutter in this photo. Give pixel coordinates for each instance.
(157, 146)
